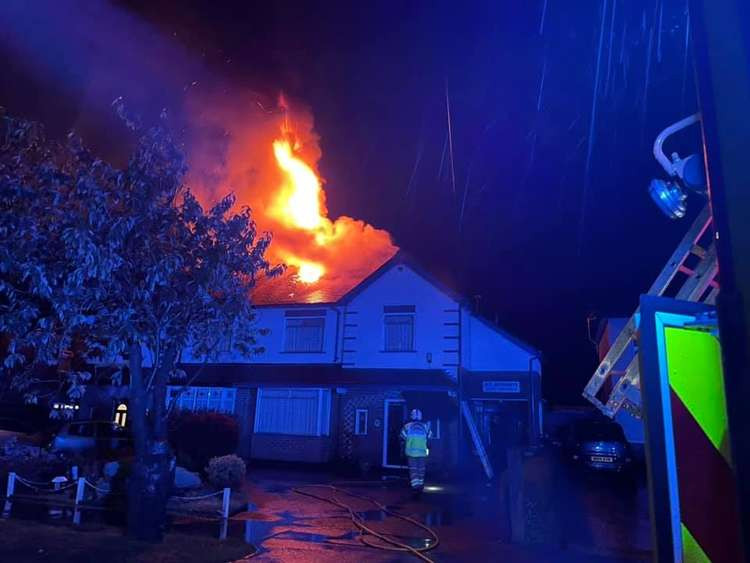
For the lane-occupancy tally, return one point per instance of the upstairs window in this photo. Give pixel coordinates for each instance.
(304, 331)
(399, 328)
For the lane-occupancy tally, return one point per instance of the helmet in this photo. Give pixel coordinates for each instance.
(416, 414)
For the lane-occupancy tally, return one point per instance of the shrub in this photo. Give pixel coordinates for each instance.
(197, 437)
(226, 471)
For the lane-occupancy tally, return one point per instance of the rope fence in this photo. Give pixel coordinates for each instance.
(61, 485)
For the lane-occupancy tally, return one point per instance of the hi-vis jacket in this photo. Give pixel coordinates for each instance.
(416, 434)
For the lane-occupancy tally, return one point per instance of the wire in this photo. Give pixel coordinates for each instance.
(358, 521)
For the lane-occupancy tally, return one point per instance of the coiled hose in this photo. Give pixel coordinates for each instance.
(358, 521)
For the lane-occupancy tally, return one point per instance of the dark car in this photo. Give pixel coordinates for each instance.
(598, 445)
(25, 432)
(84, 437)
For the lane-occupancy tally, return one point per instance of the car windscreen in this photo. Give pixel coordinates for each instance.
(601, 432)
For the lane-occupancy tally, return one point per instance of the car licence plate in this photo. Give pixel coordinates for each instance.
(605, 459)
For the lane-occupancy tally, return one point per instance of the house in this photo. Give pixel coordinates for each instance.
(342, 368)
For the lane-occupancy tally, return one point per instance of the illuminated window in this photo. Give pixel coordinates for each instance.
(360, 422)
(65, 407)
(214, 399)
(121, 415)
(399, 328)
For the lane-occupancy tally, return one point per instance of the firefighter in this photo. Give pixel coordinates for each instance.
(415, 434)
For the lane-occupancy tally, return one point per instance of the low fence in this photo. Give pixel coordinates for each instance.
(59, 493)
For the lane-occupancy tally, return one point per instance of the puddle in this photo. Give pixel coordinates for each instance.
(275, 488)
(439, 517)
(372, 515)
(315, 538)
(417, 543)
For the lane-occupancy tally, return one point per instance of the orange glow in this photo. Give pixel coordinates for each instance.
(269, 160)
(309, 272)
(298, 203)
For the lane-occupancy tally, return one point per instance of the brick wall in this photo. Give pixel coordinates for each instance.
(368, 449)
(284, 447)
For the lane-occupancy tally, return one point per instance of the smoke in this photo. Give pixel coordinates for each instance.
(231, 150)
(94, 51)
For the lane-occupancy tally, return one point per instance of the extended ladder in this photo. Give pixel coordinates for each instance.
(477, 439)
(695, 262)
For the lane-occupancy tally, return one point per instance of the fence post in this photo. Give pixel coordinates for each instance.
(225, 503)
(80, 490)
(74, 473)
(11, 485)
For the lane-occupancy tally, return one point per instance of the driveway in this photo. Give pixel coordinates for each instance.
(588, 523)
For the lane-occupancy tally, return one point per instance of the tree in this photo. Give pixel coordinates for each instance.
(125, 265)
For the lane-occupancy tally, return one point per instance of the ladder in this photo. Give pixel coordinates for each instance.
(477, 439)
(691, 274)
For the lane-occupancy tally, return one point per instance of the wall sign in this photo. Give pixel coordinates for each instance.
(501, 386)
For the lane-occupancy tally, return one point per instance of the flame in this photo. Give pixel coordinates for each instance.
(299, 204)
(269, 160)
(310, 272)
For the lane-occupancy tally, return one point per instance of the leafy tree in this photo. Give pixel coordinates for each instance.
(126, 266)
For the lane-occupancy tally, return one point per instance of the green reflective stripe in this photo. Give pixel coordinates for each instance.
(692, 552)
(416, 446)
(693, 352)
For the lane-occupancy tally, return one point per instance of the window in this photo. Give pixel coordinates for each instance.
(304, 331)
(360, 422)
(214, 399)
(201, 399)
(121, 415)
(399, 328)
(296, 411)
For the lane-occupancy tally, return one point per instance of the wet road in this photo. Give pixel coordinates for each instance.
(581, 518)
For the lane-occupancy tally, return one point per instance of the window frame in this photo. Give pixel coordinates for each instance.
(324, 401)
(121, 414)
(400, 311)
(305, 316)
(225, 394)
(358, 431)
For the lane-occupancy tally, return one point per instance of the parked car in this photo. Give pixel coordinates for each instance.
(90, 437)
(598, 445)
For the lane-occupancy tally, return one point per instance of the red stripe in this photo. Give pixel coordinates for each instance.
(708, 493)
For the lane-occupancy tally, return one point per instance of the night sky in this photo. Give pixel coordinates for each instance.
(544, 239)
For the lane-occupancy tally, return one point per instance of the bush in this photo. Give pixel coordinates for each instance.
(198, 437)
(226, 471)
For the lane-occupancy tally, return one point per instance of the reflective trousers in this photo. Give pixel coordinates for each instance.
(417, 467)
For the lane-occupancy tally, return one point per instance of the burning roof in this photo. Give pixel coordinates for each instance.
(269, 160)
(290, 289)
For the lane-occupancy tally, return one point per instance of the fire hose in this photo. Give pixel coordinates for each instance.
(390, 543)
